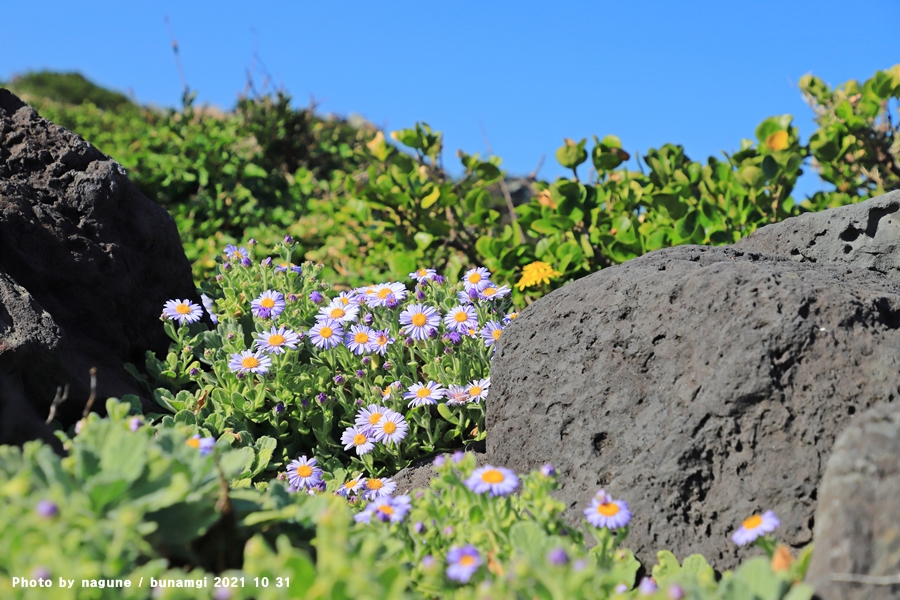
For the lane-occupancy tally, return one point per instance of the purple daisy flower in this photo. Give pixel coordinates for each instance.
(276, 340)
(384, 293)
(499, 481)
(208, 305)
(418, 319)
(491, 333)
(361, 339)
(303, 473)
(358, 438)
(494, 292)
(461, 318)
(477, 279)
(46, 509)
(478, 389)
(326, 334)
(606, 512)
(462, 563)
(183, 311)
(424, 393)
(269, 305)
(340, 312)
(391, 429)
(378, 487)
(755, 526)
(382, 339)
(457, 394)
(350, 487)
(250, 362)
(235, 254)
(423, 274)
(205, 445)
(371, 415)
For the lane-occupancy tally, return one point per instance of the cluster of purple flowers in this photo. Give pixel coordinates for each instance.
(374, 424)
(421, 394)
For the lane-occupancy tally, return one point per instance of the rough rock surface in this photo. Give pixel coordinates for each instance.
(418, 475)
(86, 264)
(858, 519)
(699, 384)
(865, 235)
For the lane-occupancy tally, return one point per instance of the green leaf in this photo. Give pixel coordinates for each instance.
(431, 198)
(252, 170)
(770, 167)
(544, 226)
(444, 411)
(401, 264)
(487, 171)
(668, 567)
(571, 154)
(423, 239)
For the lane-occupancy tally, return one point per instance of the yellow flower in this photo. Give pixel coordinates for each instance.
(777, 141)
(535, 273)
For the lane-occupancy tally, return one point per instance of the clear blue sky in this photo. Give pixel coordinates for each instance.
(528, 74)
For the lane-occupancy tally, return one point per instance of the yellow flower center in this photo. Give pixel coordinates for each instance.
(374, 484)
(423, 392)
(419, 319)
(389, 427)
(474, 390)
(489, 291)
(422, 272)
(183, 309)
(383, 293)
(326, 332)
(467, 560)
(304, 471)
(267, 303)
(492, 476)
(361, 338)
(608, 509)
(752, 522)
(276, 340)
(496, 334)
(351, 484)
(337, 313)
(194, 442)
(382, 340)
(359, 439)
(386, 509)
(386, 392)
(474, 278)
(460, 317)
(345, 301)
(374, 418)
(250, 362)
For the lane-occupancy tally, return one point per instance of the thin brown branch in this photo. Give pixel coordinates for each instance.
(93, 396)
(61, 395)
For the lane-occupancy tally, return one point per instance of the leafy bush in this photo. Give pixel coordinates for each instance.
(133, 502)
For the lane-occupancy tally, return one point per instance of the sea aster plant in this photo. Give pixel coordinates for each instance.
(499, 481)
(340, 312)
(361, 339)
(423, 274)
(461, 318)
(417, 319)
(277, 340)
(269, 305)
(457, 394)
(491, 333)
(754, 526)
(183, 311)
(391, 429)
(303, 473)
(378, 487)
(478, 389)
(248, 361)
(382, 339)
(326, 333)
(359, 439)
(371, 415)
(462, 562)
(424, 393)
(604, 512)
(477, 278)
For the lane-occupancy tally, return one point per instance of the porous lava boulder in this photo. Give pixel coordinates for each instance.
(857, 533)
(864, 235)
(699, 384)
(86, 265)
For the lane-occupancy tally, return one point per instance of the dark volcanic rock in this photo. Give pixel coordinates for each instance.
(86, 264)
(858, 519)
(700, 385)
(865, 235)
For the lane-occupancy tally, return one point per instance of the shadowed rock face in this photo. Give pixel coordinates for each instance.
(858, 518)
(86, 264)
(700, 385)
